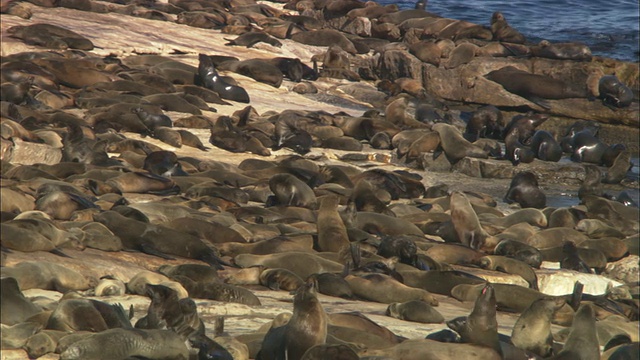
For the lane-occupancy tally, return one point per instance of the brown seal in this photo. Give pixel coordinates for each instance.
(416, 311)
(455, 146)
(332, 233)
(524, 190)
(325, 37)
(290, 191)
(211, 80)
(301, 264)
(562, 51)
(15, 306)
(481, 326)
(532, 86)
(532, 330)
(385, 289)
(307, 327)
(280, 279)
(461, 55)
(510, 266)
(466, 222)
(141, 343)
(46, 276)
(502, 31)
(582, 342)
(613, 92)
(417, 349)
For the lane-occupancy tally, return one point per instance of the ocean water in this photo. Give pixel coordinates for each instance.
(609, 27)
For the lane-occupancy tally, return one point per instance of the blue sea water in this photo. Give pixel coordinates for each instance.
(609, 27)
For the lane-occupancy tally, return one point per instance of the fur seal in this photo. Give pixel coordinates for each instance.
(481, 326)
(256, 69)
(502, 31)
(510, 266)
(385, 289)
(290, 191)
(163, 163)
(46, 276)
(545, 147)
(332, 233)
(301, 264)
(157, 240)
(325, 37)
(280, 279)
(307, 327)
(524, 190)
(416, 311)
(420, 349)
(455, 146)
(15, 307)
(532, 330)
(582, 342)
(465, 221)
(251, 38)
(486, 122)
(211, 80)
(461, 55)
(109, 286)
(532, 86)
(141, 343)
(614, 93)
(50, 36)
(561, 51)
(79, 314)
(618, 171)
(333, 351)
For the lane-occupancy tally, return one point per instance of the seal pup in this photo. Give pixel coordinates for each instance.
(524, 190)
(211, 80)
(532, 330)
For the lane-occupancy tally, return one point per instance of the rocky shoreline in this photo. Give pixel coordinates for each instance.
(119, 33)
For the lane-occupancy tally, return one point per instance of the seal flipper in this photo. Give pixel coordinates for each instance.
(150, 250)
(539, 101)
(59, 252)
(213, 260)
(576, 296)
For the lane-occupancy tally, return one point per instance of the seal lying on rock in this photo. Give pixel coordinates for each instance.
(211, 80)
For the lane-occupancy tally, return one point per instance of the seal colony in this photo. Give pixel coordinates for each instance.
(125, 207)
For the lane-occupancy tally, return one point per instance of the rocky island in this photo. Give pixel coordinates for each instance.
(311, 179)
